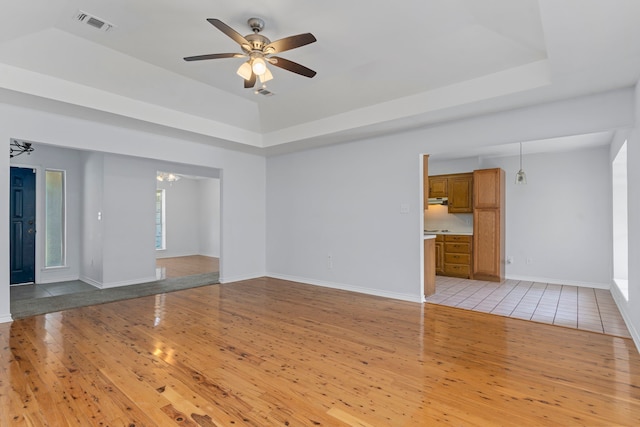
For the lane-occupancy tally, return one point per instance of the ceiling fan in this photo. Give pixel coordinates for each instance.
(259, 50)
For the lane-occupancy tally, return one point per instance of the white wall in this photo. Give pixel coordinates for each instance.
(48, 157)
(242, 176)
(182, 222)
(92, 231)
(5, 294)
(629, 308)
(560, 220)
(209, 217)
(192, 208)
(344, 200)
(128, 212)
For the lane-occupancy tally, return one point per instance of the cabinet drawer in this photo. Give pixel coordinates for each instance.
(457, 238)
(457, 248)
(457, 258)
(457, 270)
(439, 237)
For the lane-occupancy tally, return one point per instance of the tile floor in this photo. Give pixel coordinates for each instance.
(570, 306)
(31, 291)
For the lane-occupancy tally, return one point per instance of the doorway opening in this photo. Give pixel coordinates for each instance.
(187, 225)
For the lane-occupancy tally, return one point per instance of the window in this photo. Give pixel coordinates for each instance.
(55, 219)
(160, 220)
(620, 224)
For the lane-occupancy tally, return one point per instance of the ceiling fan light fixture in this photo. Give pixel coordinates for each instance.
(266, 76)
(259, 66)
(245, 70)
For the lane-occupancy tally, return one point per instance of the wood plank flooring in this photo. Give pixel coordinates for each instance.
(268, 352)
(170, 268)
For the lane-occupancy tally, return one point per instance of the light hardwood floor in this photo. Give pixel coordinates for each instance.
(170, 268)
(267, 352)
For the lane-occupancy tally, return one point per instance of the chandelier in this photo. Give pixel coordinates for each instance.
(18, 147)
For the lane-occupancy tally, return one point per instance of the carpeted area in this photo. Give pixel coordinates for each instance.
(21, 308)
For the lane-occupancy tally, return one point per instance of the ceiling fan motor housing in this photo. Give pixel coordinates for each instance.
(257, 42)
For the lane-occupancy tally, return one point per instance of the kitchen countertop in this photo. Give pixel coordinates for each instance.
(434, 232)
(429, 236)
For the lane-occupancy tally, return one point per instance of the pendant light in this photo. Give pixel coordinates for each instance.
(521, 177)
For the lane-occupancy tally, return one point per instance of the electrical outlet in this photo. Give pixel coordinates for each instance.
(509, 260)
(329, 262)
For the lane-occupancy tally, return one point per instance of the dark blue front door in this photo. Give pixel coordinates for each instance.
(23, 225)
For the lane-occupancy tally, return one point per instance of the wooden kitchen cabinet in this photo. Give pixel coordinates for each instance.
(460, 193)
(488, 188)
(425, 181)
(440, 254)
(458, 188)
(429, 263)
(488, 224)
(457, 255)
(438, 185)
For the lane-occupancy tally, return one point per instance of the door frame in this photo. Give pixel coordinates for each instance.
(40, 218)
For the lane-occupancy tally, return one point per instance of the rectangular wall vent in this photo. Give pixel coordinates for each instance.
(93, 21)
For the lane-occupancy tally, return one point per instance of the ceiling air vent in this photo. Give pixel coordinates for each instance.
(264, 92)
(93, 21)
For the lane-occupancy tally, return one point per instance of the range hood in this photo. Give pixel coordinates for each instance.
(438, 201)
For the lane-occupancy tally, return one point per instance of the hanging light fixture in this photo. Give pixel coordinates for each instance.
(167, 176)
(18, 147)
(521, 177)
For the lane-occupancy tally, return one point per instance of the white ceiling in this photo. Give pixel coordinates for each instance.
(399, 64)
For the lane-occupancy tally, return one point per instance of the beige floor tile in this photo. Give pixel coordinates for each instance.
(562, 305)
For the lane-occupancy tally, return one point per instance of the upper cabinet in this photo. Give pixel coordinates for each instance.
(425, 180)
(438, 186)
(458, 188)
(488, 188)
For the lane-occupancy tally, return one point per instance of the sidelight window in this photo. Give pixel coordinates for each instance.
(160, 220)
(55, 229)
(620, 222)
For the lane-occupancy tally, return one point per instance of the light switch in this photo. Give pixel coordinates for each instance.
(404, 208)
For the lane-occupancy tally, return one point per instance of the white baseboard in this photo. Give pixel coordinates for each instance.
(128, 282)
(351, 288)
(622, 307)
(90, 281)
(101, 285)
(58, 279)
(556, 281)
(6, 319)
(240, 278)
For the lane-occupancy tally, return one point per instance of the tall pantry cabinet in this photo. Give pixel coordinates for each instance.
(488, 224)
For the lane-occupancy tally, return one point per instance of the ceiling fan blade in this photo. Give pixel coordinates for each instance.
(294, 67)
(289, 43)
(237, 37)
(248, 84)
(214, 56)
